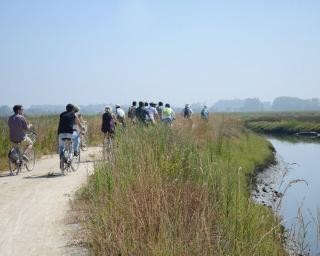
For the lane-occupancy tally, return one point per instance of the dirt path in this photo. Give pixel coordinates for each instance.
(34, 207)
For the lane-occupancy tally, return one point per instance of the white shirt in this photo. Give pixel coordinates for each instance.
(120, 112)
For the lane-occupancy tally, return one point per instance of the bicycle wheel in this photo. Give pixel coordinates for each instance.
(108, 150)
(75, 162)
(31, 159)
(83, 144)
(14, 167)
(63, 166)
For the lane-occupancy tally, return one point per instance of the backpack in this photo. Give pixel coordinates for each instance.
(131, 112)
(14, 154)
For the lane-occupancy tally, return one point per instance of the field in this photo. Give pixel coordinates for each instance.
(47, 138)
(180, 191)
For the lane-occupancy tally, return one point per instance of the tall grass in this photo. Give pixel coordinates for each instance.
(47, 138)
(180, 191)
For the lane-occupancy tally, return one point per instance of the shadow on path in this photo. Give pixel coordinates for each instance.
(45, 176)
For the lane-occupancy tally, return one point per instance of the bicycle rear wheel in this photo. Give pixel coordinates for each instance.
(14, 167)
(63, 166)
(31, 159)
(108, 150)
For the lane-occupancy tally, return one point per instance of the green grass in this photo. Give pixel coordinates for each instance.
(283, 127)
(181, 191)
(46, 128)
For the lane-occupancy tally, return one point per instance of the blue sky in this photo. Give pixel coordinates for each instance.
(55, 52)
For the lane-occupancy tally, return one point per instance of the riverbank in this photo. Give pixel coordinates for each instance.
(180, 191)
(283, 127)
(291, 189)
(283, 123)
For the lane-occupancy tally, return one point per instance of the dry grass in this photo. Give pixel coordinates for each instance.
(180, 191)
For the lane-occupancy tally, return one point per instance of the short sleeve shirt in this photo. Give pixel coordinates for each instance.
(18, 128)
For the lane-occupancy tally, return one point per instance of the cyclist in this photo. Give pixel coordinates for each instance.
(187, 111)
(77, 131)
(19, 128)
(67, 121)
(108, 122)
(120, 115)
(168, 115)
(142, 114)
(132, 112)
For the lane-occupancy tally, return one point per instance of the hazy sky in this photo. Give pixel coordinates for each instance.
(55, 52)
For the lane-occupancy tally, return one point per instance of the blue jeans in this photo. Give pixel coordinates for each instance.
(61, 142)
(76, 141)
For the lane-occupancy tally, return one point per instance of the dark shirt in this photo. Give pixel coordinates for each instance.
(107, 123)
(142, 114)
(18, 128)
(67, 120)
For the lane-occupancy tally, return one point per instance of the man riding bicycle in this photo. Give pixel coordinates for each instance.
(19, 128)
(66, 126)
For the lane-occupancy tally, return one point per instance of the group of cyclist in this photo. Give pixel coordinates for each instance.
(72, 126)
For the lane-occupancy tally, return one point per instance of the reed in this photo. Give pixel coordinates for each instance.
(180, 191)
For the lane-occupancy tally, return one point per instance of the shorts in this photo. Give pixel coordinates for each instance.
(26, 142)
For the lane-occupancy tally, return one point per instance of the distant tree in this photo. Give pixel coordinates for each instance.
(252, 105)
(295, 104)
(228, 105)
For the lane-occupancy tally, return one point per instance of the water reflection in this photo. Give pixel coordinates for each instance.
(300, 204)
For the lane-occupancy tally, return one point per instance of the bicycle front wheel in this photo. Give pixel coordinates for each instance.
(30, 160)
(83, 144)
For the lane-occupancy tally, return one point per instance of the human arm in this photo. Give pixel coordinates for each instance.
(78, 122)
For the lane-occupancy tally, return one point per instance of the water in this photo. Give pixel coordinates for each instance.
(300, 160)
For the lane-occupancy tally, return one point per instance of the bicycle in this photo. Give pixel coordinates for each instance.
(108, 147)
(68, 161)
(18, 160)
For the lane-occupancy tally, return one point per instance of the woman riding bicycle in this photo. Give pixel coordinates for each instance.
(108, 122)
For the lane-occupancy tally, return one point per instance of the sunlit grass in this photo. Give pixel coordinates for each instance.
(181, 191)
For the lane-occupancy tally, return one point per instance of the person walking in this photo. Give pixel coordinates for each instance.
(205, 113)
(142, 114)
(168, 114)
(160, 109)
(187, 112)
(120, 115)
(132, 112)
